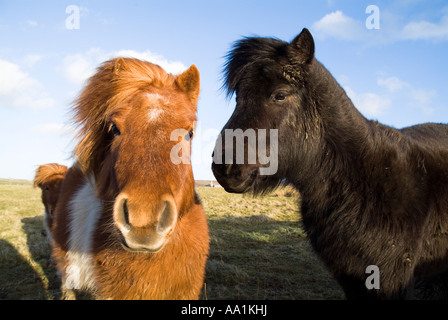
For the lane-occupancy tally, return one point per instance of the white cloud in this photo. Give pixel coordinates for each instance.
(424, 30)
(32, 23)
(107, 21)
(84, 11)
(399, 93)
(174, 67)
(19, 89)
(392, 84)
(31, 59)
(338, 25)
(79, 67)
(420, 98)
(369, 104)
(372, 104)
(55, 129)
(423, 96)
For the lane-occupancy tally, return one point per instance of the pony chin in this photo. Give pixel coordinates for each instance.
(253, 182)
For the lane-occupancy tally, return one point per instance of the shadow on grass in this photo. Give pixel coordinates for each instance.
(40, 250)
(253, 257)
(18, 279)
(258, 257)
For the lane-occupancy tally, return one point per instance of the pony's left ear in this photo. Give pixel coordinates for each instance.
(301, 49)
(188, 82)
(119, 66)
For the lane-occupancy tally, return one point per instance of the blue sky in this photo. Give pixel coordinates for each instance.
(396, 74)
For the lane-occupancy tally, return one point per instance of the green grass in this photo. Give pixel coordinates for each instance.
(258, 249)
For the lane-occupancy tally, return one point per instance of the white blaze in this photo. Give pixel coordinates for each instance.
(156, 104)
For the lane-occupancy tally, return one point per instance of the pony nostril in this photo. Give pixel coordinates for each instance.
(121, 214)
(126, 212)
(167, 218)
(228, 168)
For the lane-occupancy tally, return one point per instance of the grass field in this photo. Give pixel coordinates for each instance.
(257, 251)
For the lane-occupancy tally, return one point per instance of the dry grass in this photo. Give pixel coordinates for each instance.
(258, 248)
(25, 268)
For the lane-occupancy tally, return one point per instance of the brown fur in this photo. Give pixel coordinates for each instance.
(49, 178)
(126, 156)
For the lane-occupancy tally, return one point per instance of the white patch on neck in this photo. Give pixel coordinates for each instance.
(156, 102)
(85, 210)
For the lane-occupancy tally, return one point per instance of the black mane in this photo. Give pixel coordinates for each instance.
(247, 51)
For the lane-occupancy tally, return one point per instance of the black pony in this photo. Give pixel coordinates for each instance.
(371, 194)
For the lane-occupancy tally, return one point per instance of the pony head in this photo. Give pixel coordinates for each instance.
(273, 112)
(49, 178)
(132, 115)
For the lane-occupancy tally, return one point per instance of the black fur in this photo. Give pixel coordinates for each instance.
(371, 194)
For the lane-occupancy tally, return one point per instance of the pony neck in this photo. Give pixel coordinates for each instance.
(341, 121)
(340, 139)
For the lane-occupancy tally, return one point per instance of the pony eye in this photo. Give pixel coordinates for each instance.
(280, 96)
(189, 135)
(114, 129)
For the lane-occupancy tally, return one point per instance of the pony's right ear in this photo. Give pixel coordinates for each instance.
(301, 49)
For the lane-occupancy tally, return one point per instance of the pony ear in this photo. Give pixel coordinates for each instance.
(188, 82)
(301, 49)
(119, 65)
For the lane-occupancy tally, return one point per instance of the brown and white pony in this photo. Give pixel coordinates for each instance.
(129, 224)
(49, 178)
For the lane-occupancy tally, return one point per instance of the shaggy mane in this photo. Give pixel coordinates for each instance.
(115, 81)
(48, 171)
(247, 51)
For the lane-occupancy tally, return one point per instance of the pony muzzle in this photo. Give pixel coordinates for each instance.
(144, 230)
(235, 178)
